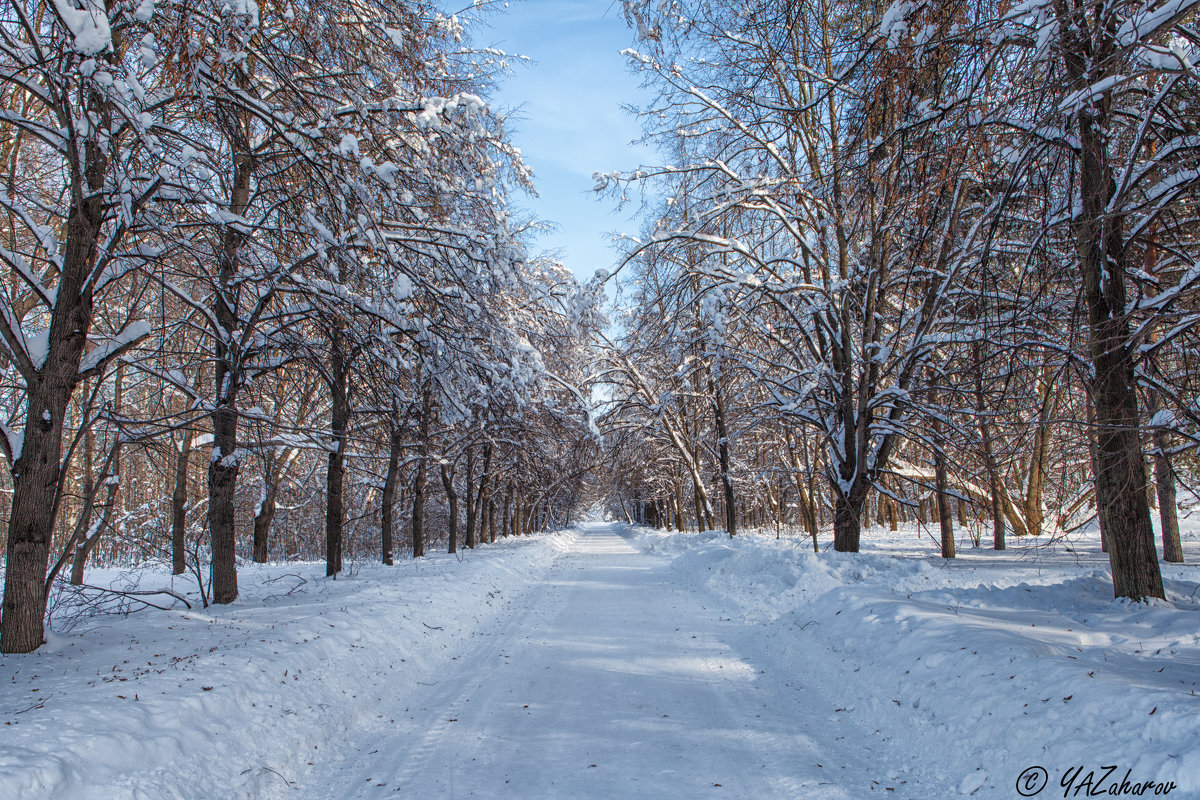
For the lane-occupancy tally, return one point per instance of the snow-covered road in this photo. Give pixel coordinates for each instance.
(616, 662)
(608, 680)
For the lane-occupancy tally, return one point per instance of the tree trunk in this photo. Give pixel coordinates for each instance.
(227, 381)
(847, 515)
(471, 520)
(847, 522)
(726, 462)
(1093, 459)
(994, 492)
(481, 496)
(491, 517)
(806, 491)
(989, 452)
(418, 507)
(452, 501)
(266, 507)
(31, 519)
(339, 419)
(87, 509)
(678, 502)
(222, 483)
(1038, 457)
(37, 471)
(507, 507)
(387, 510)
(112, 483)
(945, 519)
(1164, 483)
(1120, 480)
(179, 507)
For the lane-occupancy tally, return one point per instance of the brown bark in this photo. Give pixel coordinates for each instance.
(1039, 454)
(805, 490)
(222, 483)
(1093, 459)
(698, 501)
(847, 519)
(36, 471)
(508, 505)
(87, 495)
(1120, 472)
(678, 503)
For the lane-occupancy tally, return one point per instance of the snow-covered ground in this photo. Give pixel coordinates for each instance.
(951, 678)
(612, 662)
(234, 701)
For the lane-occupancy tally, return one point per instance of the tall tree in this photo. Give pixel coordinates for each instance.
(70, 80)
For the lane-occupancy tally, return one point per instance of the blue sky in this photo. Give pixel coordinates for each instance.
(568, 119)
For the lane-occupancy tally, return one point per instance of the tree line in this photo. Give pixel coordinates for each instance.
(263, 296)
(923, 261)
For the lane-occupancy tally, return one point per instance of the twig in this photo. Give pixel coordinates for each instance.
(31, 708)
(268, 769)
(138, 595)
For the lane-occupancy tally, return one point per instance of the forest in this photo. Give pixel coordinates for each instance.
(263, 294)
(924, 262)
(265, 299)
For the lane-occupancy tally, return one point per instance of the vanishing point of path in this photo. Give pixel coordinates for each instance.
(604, 680)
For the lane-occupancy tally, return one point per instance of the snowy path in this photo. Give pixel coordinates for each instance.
(574, 665)
(605, 680)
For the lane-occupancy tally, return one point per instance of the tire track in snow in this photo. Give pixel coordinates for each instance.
(605, 680)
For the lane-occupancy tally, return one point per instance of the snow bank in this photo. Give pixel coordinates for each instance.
(971, 671)
(228, 702)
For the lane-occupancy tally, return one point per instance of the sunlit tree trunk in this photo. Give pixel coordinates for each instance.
(1120, 472)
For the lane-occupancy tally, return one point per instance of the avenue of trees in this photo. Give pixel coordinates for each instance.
(916, 261)
(262, 297)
